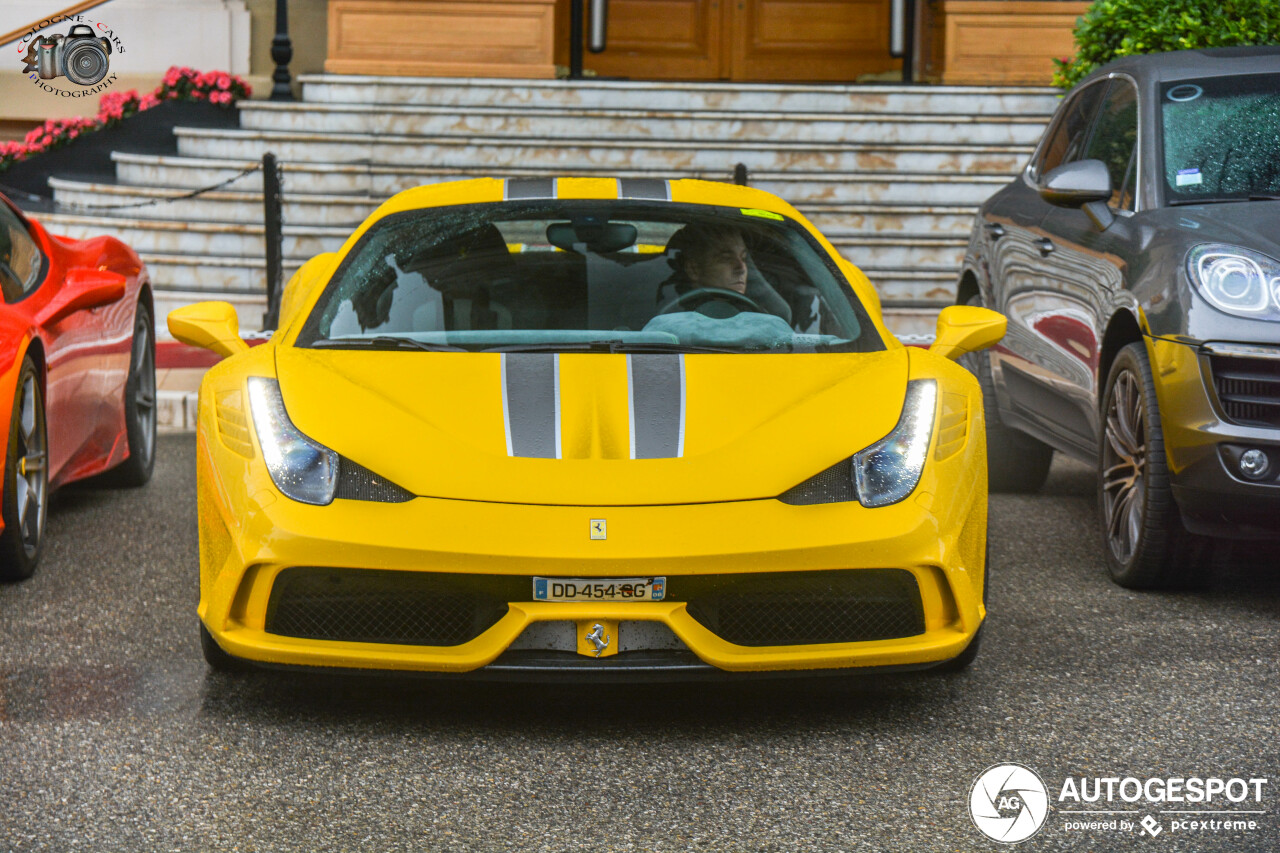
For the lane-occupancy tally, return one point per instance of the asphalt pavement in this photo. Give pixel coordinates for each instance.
(115, 737)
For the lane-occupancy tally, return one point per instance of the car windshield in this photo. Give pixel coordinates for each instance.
(612, 276)
(1220, 137)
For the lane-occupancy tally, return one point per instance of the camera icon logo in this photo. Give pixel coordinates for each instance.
(80, 56)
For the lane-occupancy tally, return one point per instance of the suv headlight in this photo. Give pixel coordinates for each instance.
(301, 468)
(1238, 281)
(888, 471)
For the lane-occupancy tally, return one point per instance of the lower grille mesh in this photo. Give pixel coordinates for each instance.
(799, 608)
(368, 606)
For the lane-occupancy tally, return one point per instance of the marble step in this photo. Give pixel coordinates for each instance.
(805, 189)
(250, 307)
(161, 236)
(659, 125)
(160, 203)
(568, 156)
(211, 274)
(627, 94)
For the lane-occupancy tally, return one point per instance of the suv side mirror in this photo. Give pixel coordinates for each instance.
(1076, 184)
(967, 328)
(209, 325)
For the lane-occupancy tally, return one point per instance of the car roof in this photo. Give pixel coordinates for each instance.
(1153, 68)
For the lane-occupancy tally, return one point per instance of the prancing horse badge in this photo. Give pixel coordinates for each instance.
(599, 528)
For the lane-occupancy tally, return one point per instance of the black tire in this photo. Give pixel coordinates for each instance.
(216, 658)
(1016, 462)
(26, 479)
(139, 407)
(1145, 543)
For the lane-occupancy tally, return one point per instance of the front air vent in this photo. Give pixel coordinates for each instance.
(831, 486)
(800, 608)
(1248, 389)
(373, 606)
(358, 483)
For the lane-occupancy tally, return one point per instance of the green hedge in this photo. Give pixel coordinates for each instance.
(1115, 28)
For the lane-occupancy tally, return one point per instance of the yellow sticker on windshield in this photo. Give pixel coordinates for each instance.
(763, 214)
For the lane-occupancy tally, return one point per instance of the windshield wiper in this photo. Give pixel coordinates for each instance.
(614, 346)
(384, 341)
(1178, 202)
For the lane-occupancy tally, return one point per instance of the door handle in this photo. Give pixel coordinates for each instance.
(1045, 245)
(995, 229)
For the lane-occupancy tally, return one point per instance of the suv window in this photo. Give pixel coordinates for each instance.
(1114, 138)
(20, 258)
(1066, 138)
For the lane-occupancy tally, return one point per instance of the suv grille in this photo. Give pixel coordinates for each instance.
(798, 608)
(1248, 389)
(371, 606)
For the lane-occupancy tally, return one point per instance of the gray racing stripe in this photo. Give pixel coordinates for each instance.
(655, 397)
(518, 188)
(531, 404)
(648, 188)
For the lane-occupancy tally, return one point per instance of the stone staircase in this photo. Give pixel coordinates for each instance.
(891, 174)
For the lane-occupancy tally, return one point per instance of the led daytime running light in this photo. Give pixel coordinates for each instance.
(301, 468)
(889, 470)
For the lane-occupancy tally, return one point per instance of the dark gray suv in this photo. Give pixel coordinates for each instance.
(1137, 258)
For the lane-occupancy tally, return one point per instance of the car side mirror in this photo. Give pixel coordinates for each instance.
(82, 288)
(1076, 184)
(209, 325)
(967, 328)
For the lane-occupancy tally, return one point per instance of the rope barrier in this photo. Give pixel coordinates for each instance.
(75, 206)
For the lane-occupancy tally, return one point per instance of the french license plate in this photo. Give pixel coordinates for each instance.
(599, 589)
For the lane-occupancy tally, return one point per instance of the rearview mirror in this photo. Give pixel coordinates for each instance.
(82, 288)
(209, 325)
(967, 328)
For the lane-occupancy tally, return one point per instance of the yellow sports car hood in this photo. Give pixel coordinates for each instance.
(589, 428)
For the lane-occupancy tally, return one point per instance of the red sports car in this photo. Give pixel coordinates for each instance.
(77, 374)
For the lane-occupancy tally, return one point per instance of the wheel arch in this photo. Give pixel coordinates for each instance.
(1122, 330)
(968, 287)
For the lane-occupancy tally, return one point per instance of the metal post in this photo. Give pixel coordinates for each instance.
(281, 53)
(575, 39)
(272, 221)
(740, 176)
(909, 43)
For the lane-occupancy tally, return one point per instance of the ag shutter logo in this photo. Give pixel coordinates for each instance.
(1009, 803)
(81, 55)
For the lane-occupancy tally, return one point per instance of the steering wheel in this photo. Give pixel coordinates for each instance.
(692, 299)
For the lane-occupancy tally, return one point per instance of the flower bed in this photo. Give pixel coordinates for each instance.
(180, 84)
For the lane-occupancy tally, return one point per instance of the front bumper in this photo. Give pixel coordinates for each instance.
(1202, 444)
(250, 535)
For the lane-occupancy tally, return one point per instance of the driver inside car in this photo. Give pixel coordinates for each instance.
(716, 257)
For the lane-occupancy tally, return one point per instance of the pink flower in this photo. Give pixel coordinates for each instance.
(148, 101)
(224, 81)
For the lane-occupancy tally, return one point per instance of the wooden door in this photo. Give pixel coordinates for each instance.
(782, 41)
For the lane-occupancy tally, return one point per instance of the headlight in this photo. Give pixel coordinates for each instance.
(888, 471)
(1236, 280)
(301, 468)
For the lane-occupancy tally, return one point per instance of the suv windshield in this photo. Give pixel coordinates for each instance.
(1220, 137)
(615, 276)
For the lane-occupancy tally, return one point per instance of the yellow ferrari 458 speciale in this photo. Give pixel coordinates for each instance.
(607, 428)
